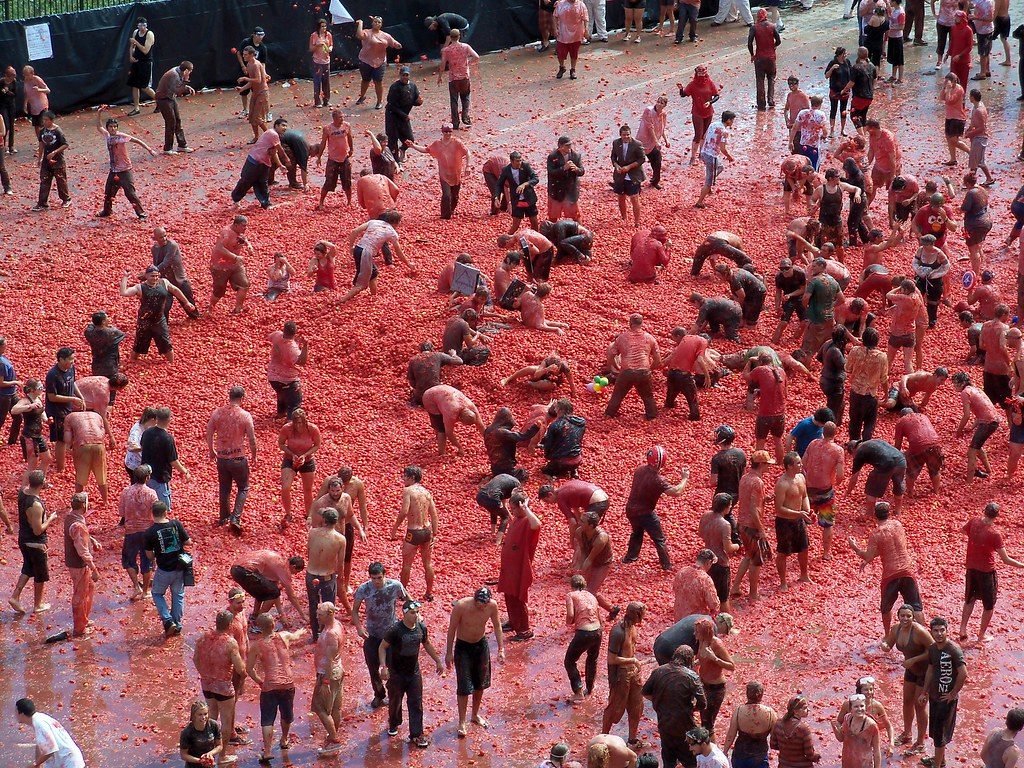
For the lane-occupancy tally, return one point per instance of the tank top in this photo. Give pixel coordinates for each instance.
(996, 750)
(324, 274)
(71, 557)
(831, 211)
(587, 545)
(32, 423)
(139, 55)
(25, 533)
(909, 648)
(152, 301)
(750, 746)
(584, 605)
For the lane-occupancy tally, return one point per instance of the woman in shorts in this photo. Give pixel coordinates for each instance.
(31, 408)
(545, 23)
(373, 57)
(912, 639)
(840, 82)
(977, 222)
(666, 12)
(952, 95)
(299, 441)
(634, 18)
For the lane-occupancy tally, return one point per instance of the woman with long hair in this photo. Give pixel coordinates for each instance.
(791, 736)
(299, 441)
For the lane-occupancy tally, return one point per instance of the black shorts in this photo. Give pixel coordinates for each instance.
(36, 442)
(272, 702)
(255, 584)
(894, 51)
(35, 564)
(878, 481)
(792, 307)
(489, 503)
(917, 678)
(955, 127)
(418, 536)
(719, 573)
(981, 585)
(984, 43)
(902, 340)
(996, 386)
(368, 72)
(210, 696)
(57, 428)
(941, 721)
(623, 185)
(308, 466)
(905, 586)
(599, 508)
(634, 5)
(769, 425)
(350, 541)
(790, 536)
(472, 667)
(336, 171)
(982, 433)
(437, 422)
(157, 332)
(932, 457)
(1002, 27)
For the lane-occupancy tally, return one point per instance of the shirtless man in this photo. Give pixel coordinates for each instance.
(792, 514)
(326, 550)
(574, 499)
(624, 681)
(446, 406)
(330, 675)
(336, 494)
(467, 650)
(824, 468)
(420, 514)
(608, 751)
(218, 660)
(884, 157)
(748, 518)
(375, 193)
(227, 263)
(801, 234)
(924, 447)
(902, 393)
(263, 574)
(888, 542)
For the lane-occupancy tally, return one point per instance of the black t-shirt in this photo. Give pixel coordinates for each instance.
(297, 143)
(721, 311)
(455, 334)
(446, 22)
(501, 487)
(8, 95)
(106, 349)
(840, 76)
(795, 280)
(62, 383)
(261, 49)
(198, 743)
(863, 78)
(945, 663)
(879, 454)
(746, 281)
(166, 541)
(405, 647)
(159, 451)
(729, 464)
(53, 139)
(833, 365)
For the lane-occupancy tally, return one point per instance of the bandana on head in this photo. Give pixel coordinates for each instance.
(961, 17)
(700, 71)
(762, 15)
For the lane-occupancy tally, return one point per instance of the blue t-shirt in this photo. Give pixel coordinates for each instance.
(804, 432)
(7, 374)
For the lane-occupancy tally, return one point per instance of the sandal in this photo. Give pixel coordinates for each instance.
(133, 113)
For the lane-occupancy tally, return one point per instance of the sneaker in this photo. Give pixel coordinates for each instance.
(377, 703)
(561, 73)
(170, 151)
(175, 629)
(142, 216)
(586, 42)
(186, 150)
(168, 624)
(422, 742)
(360, 101)
(66, 204)
(103, 215)
(8, 191)
(244, 113)
(392, 732)
(572, 72)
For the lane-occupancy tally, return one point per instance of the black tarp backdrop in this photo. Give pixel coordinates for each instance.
(90, 48)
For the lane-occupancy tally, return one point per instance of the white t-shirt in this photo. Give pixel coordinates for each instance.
(812, 124)
(375, 235)
(132, 460)
(716, 138)
(51, 737)
(716, 759)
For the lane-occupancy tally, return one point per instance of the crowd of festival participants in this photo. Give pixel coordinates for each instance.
(825, 318)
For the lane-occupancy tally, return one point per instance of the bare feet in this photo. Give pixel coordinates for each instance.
(479, 720)
(42, 608)
(16, 605)
(463, 730)
(806, 579)
(783, 587)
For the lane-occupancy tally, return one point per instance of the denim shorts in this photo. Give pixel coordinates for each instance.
(133, 553)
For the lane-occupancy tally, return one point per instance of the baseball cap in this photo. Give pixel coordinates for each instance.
(482, 595)
(761, 457)
(259, 31)
(724, 433)
(414, 605)
(405, 71)
(446, 128)
(563, 140)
